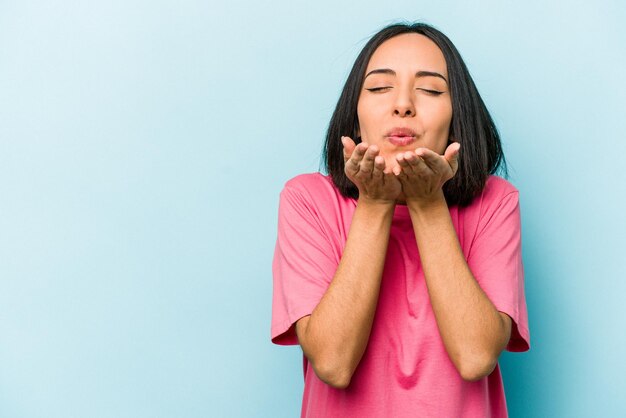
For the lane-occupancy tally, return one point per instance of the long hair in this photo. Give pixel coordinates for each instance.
(471, 125)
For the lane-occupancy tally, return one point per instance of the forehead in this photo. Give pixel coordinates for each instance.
(410, 52)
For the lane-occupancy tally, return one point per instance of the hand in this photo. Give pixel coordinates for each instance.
(367, 170)
(423, 172)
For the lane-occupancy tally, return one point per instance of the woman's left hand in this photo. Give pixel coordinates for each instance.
(423, 172)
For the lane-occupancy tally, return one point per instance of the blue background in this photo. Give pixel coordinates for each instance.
(143, 145)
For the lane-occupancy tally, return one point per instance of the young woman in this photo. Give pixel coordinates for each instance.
(400, 273)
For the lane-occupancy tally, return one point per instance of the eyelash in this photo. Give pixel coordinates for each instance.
(431, 92)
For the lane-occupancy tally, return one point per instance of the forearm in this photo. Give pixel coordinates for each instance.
(473, 331)
(335, 336)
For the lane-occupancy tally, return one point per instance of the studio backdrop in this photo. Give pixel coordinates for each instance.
(143, 145)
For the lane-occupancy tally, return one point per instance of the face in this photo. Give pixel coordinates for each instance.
(405, 100)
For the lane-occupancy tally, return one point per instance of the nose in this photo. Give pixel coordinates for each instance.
(404, 106)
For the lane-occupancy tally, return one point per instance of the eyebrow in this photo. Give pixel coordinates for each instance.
(417, 74)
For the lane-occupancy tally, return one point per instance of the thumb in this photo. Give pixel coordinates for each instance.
(452, 156)
(348, 147)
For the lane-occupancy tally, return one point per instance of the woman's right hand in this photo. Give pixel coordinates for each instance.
(367, 170)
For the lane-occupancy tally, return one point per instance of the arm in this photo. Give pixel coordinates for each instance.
(473, 331)
(335, 335)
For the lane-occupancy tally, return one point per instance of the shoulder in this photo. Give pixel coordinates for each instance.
(498, 195)
(496, 192)
(497, 188)
(493, 215)
(308, 181)
(314, 187)
(313, 200)
(315, 194)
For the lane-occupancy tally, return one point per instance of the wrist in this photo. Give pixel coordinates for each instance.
(373, 218)
(376, 206)
(432, 203)
(431, 220)
(371, 202)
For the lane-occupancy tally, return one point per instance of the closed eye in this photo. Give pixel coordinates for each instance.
(375, 89)
(431, 92)
(427, 91)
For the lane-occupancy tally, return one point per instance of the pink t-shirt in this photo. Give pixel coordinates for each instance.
(405, 370)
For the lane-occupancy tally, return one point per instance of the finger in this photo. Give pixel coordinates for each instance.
(354, 163)
(389, 177)
(398, 169)
(359, 150)
(452, 156)
(379, 167)
(433, 160)
(414, 161)
(402, 159)
(410, 163)
(348, 147)
(367, 164)
(358, 153)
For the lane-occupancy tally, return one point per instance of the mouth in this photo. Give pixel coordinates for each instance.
(401, 136)
(401, 140)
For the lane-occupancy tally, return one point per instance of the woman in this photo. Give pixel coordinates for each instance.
(400, 274)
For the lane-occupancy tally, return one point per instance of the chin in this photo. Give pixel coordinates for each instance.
(390, 162)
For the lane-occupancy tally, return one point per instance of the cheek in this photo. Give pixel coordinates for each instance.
(362, 118)
(367, 116)
(440, 118)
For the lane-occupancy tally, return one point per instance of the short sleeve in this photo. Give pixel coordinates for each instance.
(303, 266)
(495, 260)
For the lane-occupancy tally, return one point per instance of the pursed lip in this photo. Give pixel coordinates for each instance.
(401, 132)
(401, 137)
